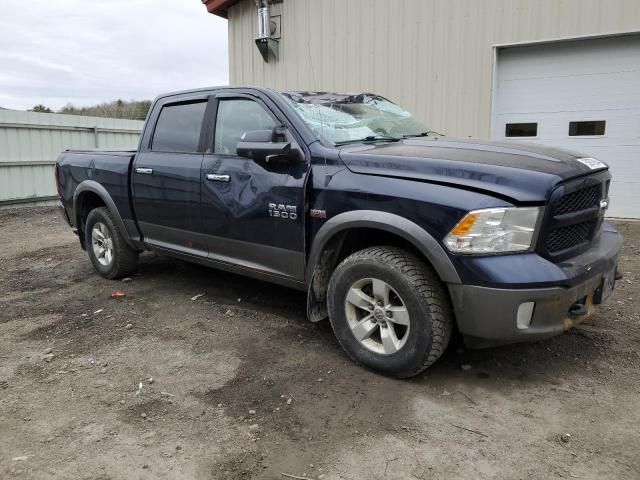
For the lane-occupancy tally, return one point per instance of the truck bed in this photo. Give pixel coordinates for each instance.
(111, 169)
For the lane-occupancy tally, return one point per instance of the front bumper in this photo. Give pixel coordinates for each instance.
(488, 315)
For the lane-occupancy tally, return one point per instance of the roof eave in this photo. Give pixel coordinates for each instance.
(219, 7)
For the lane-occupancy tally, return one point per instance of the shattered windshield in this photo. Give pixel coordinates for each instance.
(344, 118)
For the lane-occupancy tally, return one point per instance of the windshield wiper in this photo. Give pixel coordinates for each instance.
(370, 138)
(423, 134)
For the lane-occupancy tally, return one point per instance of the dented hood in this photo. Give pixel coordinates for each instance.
(518, 171)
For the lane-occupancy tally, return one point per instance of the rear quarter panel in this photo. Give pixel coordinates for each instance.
(109, 169)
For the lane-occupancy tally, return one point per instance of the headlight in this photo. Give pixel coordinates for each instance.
(494, 230)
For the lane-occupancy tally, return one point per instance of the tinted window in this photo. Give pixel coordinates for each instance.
(236, 117)
(521, 130)
(178, 127)
(578, 129)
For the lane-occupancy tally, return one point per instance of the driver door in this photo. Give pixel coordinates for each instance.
(238, 195)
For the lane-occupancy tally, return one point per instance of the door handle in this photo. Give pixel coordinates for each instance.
(212, 177)
(144, 171)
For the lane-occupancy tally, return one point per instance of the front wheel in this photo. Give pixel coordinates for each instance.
(108, 251)
(390, 311)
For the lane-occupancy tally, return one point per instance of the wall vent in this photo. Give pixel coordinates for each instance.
(268, 46)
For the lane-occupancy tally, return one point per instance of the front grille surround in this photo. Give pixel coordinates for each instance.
(573, 217)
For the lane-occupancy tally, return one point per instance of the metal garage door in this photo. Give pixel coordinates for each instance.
(583, 95)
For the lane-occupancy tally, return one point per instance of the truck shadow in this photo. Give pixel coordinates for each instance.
(552, 361)
(223, 287)
(556, 361)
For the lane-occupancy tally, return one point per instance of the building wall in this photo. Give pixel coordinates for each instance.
(30, 143)
(435, 57)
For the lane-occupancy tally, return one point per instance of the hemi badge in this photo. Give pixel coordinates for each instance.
(315, 213)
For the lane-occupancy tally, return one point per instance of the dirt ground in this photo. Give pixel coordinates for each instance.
(198, 374)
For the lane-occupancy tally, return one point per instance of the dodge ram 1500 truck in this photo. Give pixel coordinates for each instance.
(399, 235)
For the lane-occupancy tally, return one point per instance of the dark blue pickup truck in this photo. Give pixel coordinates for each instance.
(399, 235)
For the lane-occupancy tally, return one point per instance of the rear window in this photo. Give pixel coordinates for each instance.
(178, 127)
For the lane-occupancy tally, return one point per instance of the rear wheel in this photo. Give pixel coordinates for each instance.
(108, 251)
(390, 311)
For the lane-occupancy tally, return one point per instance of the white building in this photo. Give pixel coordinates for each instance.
(560, 72)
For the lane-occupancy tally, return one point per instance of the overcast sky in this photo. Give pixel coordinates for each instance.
(88, 51)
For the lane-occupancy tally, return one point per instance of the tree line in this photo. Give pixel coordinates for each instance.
(131, 110)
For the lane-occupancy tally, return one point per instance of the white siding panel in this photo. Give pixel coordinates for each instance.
(432, 56)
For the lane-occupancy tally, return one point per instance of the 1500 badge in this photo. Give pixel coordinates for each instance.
(279, 210)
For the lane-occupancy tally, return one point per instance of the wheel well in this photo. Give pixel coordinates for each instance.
(339, 247)
(86, 202)
(360, 238)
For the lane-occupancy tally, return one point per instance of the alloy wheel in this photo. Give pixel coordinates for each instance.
(377, 316)
(102, 244)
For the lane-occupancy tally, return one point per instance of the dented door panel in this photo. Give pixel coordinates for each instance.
(256, 218)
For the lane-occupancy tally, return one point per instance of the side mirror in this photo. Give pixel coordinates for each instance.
(264, 145)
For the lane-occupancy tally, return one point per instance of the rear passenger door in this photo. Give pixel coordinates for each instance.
(242, 198)
(166, 175)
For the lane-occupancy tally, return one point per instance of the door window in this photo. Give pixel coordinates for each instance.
(521, 130)
(587, 128)
(178, 128)
(236, 116)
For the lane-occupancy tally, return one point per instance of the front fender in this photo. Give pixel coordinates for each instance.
(388, 222)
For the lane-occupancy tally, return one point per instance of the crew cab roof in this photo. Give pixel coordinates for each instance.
(296, 95)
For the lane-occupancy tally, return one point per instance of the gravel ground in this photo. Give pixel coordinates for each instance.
(198, 374)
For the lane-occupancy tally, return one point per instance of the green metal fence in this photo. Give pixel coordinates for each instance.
(30, 143)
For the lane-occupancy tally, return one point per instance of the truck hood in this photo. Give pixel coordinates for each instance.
(520, 172)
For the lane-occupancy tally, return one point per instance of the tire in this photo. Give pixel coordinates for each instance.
(122, 259)
(421, 331)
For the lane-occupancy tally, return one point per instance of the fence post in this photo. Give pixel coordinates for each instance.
(95, 137)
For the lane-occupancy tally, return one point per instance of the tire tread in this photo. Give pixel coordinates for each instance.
(126, 258)
(428, 287)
